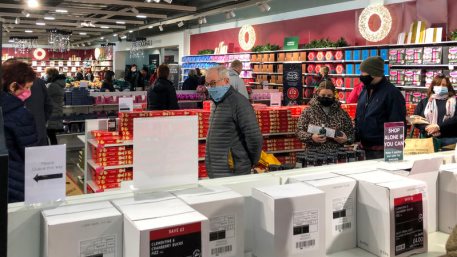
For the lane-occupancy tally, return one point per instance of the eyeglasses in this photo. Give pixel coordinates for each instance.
(212, 83)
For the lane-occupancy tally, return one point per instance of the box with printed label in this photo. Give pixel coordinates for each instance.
(447, 202)
(224, 209)
(340, 204)
(290, 221)
(82, 230)
(391, 214)
(164, 228)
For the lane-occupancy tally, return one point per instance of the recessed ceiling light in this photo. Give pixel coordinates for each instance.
(50, 18)
(17, 20)
(115, 35)
(130, 31)
(61, 11)
(168, 1)
(160, 27)
(28, 31)
(230, 15)
(102, 38)
(123, 37)
(150, 27)
(104, 27)
(141, 16)
(11, 41)
(25, 13)
(157, 1)
(120, 22)
(33, 3)
(40, 23)
(82, 33)
(180, 24)
(148, 1)
(264, 7)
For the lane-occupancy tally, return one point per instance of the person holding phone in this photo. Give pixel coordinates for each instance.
(325, 112)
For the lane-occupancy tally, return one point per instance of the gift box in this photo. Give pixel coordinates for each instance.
(413, 77)
(433, 55)
(414, 55)
(397, 56)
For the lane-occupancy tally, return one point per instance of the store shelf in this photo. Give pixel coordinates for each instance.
(73, 121)
(412, 87)
(97, 167)
(96, 189)
(344, 88)
(82, 138)
(269, 84)
(190, 101)
(94, 143)
(286, 151)
(70, 134)
(265, 135)
(267, 73)
(429, 66)
(89, 106)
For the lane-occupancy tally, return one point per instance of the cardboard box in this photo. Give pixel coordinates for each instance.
(225, 210)
(82, 230)
(447, 196)
(290, 221)
(164, 228)
(340, 204)
(391, 214)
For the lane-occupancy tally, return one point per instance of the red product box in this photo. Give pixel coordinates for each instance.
(311, 56)
(339, 69)
(320, 56)
(339, 82)
(311, 68)
(104, 134)
(339, 55)
(329, 56)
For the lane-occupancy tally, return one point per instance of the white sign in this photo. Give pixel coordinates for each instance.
(165, 152)
(275, 99)
(126, 104)
(45, 172)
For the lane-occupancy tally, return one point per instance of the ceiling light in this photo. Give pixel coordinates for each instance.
(33, 3)
(168, 1)
(130, 31)
(124, 37)
(180, 24)
(150, 27)
(230, 15)
(50, 18)
(141, 16)
(102, 38)
(28, 31)
(202, 20)
(40, 23)
(160, 27)
(82, 33)
(17, 20)
(264, 7)
(83, 44)
(11, 41)
(157, 1)
(134, 10)
(104, 27)
(148, 1)
(25, 13)
(61, 11)
(120, 22)
(115, 35)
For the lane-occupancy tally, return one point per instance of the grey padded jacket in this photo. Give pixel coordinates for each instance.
(233, 129)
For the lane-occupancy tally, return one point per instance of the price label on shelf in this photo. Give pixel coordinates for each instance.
(275, 99)
(126, 104)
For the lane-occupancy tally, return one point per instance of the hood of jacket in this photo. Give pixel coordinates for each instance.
(60, 80)
(9, 102)
(232, 73)
(162, 85)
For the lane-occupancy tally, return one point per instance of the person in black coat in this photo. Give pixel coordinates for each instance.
(439, 109)
(108, 83)
(162, 96)
(79, 74)
(132, 76)
(40, 105)
(20, 128)
(379, 102)
(191, 83)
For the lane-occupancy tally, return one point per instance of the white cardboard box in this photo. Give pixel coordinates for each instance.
(391, 214)
(290, 221)
(82, 230)
(340, 204)
(225, 210)
(426, 170)
(447, 200)
(164, 228)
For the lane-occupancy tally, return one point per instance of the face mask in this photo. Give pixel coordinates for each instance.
(217, 93)
(325, 101)
(440, 90)
(366, 80)
(24, 95)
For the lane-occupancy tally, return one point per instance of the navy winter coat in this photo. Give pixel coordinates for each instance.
(20, 132)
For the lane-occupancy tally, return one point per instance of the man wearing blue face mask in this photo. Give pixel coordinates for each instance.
(379, 102)
(234, 132)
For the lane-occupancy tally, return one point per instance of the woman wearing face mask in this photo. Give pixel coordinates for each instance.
(20, 129)
(439, 109)
(56, 91)
(162, 95)
(325, 111)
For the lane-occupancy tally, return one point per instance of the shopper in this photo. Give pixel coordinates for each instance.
(40, 105)
(132, 77)
(162, 96)
(153, 78)
(234, 132)
(439, 109)
(191, 83)
(380, 102)
(325, 111)
(79, 74)
(236, 67)
(56, 86)
(322, 75)
(143, 79)
(108, 82)
(201, 76)
(89, 75)
(353, 97)
(19, 124)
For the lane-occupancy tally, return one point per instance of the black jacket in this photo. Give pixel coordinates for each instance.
(386, 104)
(107, 86)
(20, 132)
(40, 105)
(191, 83)
(79, 76)
(162, 96)
(133, 78)
(56, 91)
(233, 130)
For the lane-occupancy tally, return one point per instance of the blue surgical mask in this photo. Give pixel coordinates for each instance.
(440, 90)
(217, 93)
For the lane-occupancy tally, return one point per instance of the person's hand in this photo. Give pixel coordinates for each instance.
(341, 139)
(437, 134)
(432, 129)
(319, 139)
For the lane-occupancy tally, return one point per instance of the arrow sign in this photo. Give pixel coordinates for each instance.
(45, 177)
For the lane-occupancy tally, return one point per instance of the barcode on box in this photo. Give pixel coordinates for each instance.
(343, 226)
(220, 250)
(400, 247)
(305, 244)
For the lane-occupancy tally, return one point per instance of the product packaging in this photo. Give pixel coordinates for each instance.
(433, 55)
(413, 77)
(224, 209)
(391, 214)
(82, 230)
(340, 204)
(290, 221)
(447, 200)
(414, 55)
(397, 56)
(452, 54)
(164, 228)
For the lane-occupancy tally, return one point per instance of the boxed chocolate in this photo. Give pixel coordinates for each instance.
(397, 56)
(413, 77)
(414, 55)
(452, 54)
(433, 55)
(453, 77)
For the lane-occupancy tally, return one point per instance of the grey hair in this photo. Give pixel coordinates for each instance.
(192, 73)
(222, 71)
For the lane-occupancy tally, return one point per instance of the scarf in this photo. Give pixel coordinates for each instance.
(431, 110)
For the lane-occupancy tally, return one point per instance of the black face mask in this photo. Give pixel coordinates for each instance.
(366, 80)
(325, 101)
